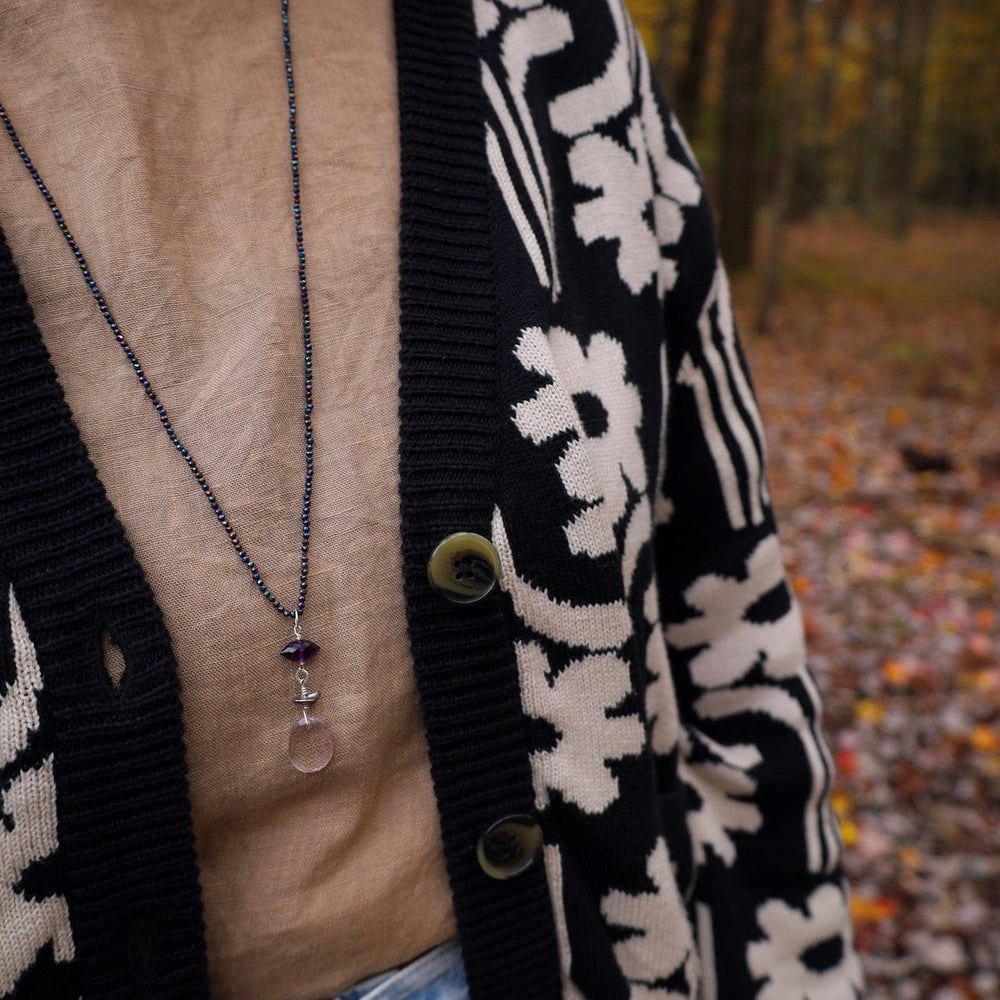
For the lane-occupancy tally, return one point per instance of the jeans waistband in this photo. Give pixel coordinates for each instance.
(440, 965)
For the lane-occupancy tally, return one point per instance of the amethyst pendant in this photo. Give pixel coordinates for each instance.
(300, 650)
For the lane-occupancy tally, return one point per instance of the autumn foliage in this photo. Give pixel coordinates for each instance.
(900, 100)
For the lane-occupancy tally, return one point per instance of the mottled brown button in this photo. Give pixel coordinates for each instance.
(509, 846)
(464, 567)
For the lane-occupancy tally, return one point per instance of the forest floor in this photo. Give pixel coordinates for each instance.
(883, 357)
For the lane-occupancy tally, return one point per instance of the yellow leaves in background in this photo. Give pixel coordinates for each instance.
(865, 910)
(869, 712)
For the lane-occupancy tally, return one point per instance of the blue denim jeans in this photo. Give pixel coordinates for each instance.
(438, 974)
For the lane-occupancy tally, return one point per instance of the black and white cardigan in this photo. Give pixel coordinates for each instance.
(572, 387)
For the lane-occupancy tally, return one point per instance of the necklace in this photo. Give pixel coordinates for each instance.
(310, 742)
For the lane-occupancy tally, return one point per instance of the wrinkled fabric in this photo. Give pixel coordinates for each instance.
(161, 130)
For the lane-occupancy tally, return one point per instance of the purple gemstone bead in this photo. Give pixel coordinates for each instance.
(299, 650)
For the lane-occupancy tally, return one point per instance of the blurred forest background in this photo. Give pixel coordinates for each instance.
(852, 151)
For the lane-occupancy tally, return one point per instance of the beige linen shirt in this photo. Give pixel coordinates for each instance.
(161, 129)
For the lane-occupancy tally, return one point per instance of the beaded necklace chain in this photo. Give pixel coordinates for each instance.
(310, 744)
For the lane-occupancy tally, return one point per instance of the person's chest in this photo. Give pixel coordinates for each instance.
(163, 136)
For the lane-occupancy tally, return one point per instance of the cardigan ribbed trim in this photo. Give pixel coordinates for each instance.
(463, 656)
(124, 822)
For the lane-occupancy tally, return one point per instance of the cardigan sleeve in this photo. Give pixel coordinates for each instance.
(768, 901)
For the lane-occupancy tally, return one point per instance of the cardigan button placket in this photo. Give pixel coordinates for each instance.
(464, 567)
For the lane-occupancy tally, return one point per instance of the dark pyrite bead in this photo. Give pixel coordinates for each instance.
(300, 650)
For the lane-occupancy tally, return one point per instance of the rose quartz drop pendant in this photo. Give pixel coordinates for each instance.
(310, 742)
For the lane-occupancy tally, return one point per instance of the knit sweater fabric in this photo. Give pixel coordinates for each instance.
(571, 387)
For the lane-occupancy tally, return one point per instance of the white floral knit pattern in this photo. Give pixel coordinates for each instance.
(27, 821)
(681, 677)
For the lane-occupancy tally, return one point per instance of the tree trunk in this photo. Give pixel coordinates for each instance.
(786, 167)
(875, 143)
(813, 182)
(690, 82)
(914, 26)
(781, 202)
(742, 87)
(663, 68)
